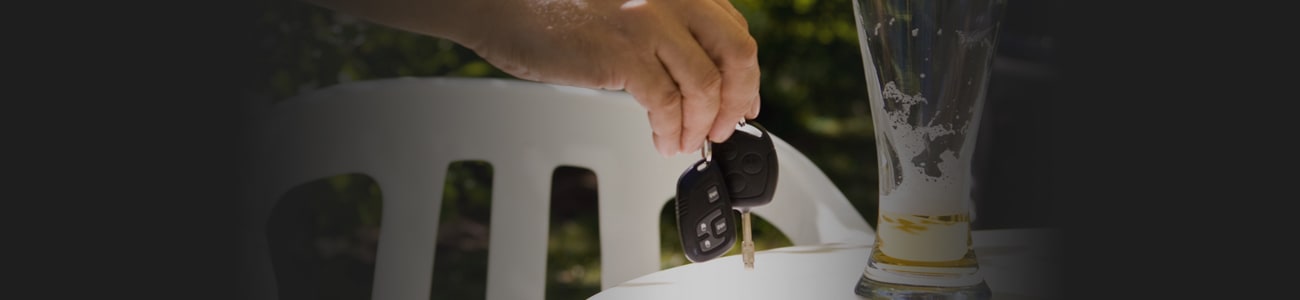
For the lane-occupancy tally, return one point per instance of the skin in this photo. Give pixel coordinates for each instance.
(691, 64)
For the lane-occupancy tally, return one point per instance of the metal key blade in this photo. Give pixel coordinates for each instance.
(747, 241)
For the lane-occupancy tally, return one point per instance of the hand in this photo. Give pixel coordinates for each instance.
(690, 63)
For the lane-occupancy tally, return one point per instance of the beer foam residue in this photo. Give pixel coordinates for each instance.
(910, 141)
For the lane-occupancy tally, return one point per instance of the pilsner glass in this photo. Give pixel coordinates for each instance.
(927, 65)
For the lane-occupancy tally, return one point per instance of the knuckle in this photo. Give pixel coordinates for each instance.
(705, 87)
(667, 100)
(663, 104)
(697, 127)
(745, 53)
(736, 107)
(658, 99)
(666, 129)
(710, 84)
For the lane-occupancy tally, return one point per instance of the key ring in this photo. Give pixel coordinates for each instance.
(707, 152)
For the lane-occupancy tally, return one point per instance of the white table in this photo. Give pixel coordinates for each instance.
(1016, 264)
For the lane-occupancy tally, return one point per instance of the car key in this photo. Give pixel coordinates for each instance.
(704, 220)
(747, 160)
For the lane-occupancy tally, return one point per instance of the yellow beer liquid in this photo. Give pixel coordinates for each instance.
(917, 242)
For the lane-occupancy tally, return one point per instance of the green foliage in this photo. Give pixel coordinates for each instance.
(814, 92)
(573, 243)
(339, 236)
(460, 260)
(307, 47)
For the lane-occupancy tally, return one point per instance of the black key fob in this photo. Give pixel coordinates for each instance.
(705, 223)
(748, 163)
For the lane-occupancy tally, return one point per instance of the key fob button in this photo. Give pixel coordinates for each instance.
(703, 202)
(717, 212)
(749, 164)
(736, 182)
(703, 228)
(752, 163)
(709, 244)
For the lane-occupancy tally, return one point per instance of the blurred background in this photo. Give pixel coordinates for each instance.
(324, 233)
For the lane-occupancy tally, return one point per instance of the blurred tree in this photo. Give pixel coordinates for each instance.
(323, 236)
(306, 47)
(464, 221)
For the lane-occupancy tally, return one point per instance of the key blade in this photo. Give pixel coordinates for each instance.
(747, 243)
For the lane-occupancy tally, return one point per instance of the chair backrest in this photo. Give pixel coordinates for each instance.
(404, 132)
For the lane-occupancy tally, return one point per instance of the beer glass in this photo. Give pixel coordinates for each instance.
(927, 65)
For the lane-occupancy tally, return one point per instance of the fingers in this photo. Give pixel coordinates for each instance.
(753, 112)
(665, 135)
(651, 85)
(700, 83)
(737, 104)
(706, 76)
(735, 54)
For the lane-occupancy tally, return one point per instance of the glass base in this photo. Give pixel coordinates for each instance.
(872, 289)
(957, 279)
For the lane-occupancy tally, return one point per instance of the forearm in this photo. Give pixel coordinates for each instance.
(691, 63)
(438, 18)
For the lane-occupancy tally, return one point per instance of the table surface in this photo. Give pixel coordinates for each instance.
(1016, 264)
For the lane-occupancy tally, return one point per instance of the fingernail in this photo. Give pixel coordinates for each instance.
(688, 149)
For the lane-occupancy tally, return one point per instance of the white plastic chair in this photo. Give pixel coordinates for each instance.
(404, 133)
